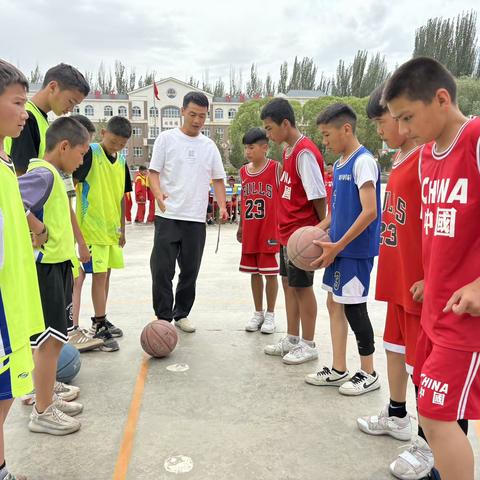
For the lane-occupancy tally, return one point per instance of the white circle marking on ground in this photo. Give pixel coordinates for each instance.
(178, 464)
(178, 367)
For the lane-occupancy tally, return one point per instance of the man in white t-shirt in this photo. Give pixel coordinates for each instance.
(183, 164)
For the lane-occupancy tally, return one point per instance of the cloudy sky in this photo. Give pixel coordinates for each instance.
(183, 38)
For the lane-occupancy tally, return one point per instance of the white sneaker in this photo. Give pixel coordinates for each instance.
(327, 377)
(281, 348)
(66, 392)
(69, 408)
(414, 463)
(360, 383)
(52, 421)
(186, 325)
(399, 428)
(269, 323)
(255, 322)
(82, 341)
(301, 353)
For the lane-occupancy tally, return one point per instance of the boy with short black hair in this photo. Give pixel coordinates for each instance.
(400, 252)
(354, 223)
(19, 319)
(302, 203)
(421, 96)
(102, 182)
(258, 228)
(44, 194)
(63, 88)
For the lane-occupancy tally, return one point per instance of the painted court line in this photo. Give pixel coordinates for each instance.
(126, 447)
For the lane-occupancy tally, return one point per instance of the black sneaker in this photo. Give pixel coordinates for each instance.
(114, 331)
(101, 331)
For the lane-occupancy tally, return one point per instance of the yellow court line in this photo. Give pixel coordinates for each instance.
(126, 447)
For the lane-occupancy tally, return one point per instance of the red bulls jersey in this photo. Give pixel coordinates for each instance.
(259, 200)
(450, 188)
(400, 257)
(295, 210)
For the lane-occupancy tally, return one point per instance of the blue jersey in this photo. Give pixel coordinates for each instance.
(346, 208)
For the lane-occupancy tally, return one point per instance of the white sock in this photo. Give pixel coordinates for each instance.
(310, 343)
(293, 338)
(259, 313)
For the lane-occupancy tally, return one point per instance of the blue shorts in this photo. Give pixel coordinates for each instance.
(348, 279)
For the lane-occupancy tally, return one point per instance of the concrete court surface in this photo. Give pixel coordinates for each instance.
(236, 413)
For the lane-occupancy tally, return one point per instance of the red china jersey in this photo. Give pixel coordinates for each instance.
(259, 199)
(295, 209)
(450, 186)
(328, 180)
(400, 257)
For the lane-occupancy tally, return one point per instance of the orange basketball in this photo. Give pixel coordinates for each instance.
(158, 338)
(302, 251)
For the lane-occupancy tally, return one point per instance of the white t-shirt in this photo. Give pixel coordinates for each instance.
(186, 166)
(311, 175)
(365, 169)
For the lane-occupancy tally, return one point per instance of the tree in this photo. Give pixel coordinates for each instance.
(324, 84)
(121, 82)
(282, 82)
(99, 126)
(269, 87)
(358, 71)
(35, 75)
(193, 82)
(104, 81)
(254, 85)
(376, 74)
(219, 90)
(295, 79)
(451, 41)
(341, 84)
(149, 78)
(468, 95)
(131, 79)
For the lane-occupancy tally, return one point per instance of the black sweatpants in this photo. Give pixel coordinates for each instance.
(182, 241)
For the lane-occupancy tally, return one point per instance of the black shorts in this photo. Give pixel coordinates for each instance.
(296, 277)
(55, 281)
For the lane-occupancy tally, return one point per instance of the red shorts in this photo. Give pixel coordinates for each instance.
(448, 381)
(262, 263)
(401, 333)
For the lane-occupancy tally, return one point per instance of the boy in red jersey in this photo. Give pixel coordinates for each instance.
(400, 252)
(329, 183)
(421, 95)
(302, 203)
(258, 229)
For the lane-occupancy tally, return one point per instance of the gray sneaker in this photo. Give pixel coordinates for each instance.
(83, 342)
(66, 392)
(414, 463)
(99, 330)
(53, 422)
(399, 428)
(11, 476)
(281, 348)
(69, 408)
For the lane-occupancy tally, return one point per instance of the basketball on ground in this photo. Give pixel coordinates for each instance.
(68, 364)
(158, 338)
(302, 251)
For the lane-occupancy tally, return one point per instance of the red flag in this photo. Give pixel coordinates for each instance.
(155, 91)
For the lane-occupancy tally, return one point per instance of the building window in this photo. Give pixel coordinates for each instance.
(206, 132)
(136, 112)
(136, 131)
(124, 152)
(171, 93)
(171, 112)
(231, 113)
(218, 113)
(76, 109)
(108, 111)
(89, 112)
(122, 111)
(137, 151)
(154, 131)
(219, 132)
(153, 112)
